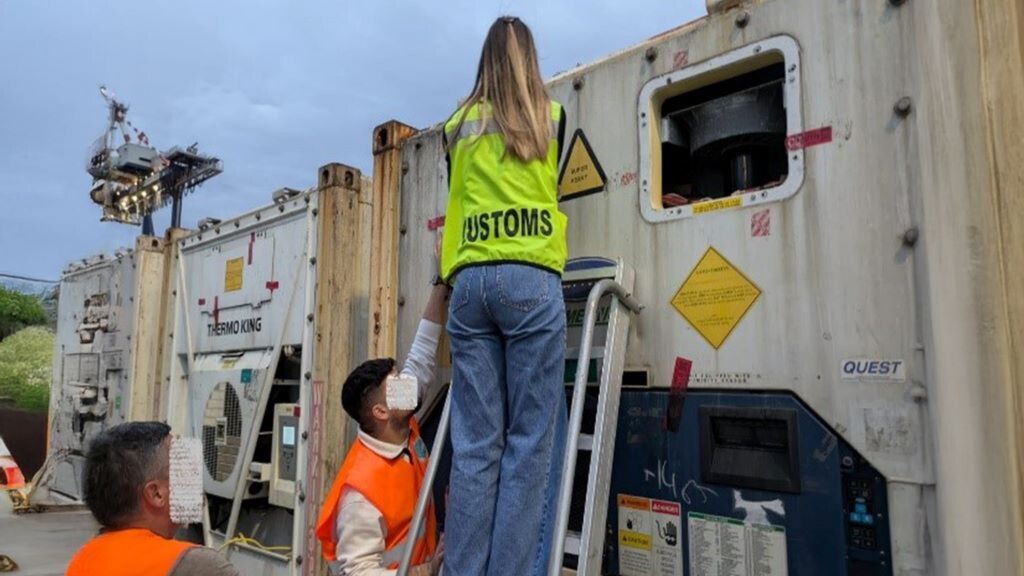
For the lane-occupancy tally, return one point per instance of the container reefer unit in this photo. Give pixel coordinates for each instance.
(105, 365)
(270, 310)
(822, 203)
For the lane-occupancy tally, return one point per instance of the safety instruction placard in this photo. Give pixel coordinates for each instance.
(714, 297)
(581, 173)
(722, 546)
(233, 274)
(649, 537)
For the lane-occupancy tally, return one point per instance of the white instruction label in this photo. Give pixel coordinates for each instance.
(729, 547)
(767, 550)
(649, 537)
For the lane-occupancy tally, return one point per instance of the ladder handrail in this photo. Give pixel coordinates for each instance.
(602, 287)
(426, 489)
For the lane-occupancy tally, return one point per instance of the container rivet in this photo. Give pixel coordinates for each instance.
(903, 107)
(308, 375)
(401, 300)
(742, 19)
(651, 54)
(577, 83)
(309, 317)
(910, 236)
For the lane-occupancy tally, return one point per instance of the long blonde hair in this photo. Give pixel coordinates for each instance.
(511, 89)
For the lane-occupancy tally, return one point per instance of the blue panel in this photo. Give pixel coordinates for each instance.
(830, 521)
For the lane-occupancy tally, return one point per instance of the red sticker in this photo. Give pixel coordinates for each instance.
(677, 394)
(681, 375)
(809, 138)
(272, 285)
(435, 223)
(680, 59)
(761, 224)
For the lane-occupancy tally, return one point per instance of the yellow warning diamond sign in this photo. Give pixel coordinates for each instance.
(581, 173)
(714, 297)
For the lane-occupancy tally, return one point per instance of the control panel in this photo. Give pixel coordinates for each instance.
(864, 506)
(285, 455)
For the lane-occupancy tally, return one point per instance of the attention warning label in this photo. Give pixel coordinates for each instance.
(233, 274)
(581, 173)
(714, 297)
(649, 537)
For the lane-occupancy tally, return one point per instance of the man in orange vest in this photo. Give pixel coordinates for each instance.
(127, 488)
(367, 514)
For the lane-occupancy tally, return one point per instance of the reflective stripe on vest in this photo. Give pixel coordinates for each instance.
(132, 552)
(392, 486)
(500, 209)
(477, 128)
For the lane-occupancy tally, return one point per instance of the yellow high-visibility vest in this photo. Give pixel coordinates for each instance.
(500, 209)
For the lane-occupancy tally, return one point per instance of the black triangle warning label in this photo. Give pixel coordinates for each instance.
(581, 173)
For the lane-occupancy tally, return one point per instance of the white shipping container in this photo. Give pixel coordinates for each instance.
(105, 368)
(835, 176)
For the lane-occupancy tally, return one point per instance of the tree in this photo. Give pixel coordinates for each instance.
(19, 310)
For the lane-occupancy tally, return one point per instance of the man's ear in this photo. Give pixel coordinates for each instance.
(380, 412)
(156, 494)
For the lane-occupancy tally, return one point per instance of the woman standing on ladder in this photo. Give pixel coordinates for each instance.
(504, 250)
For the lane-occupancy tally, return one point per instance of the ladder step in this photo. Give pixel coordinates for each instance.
(588, 274)
(586, 442)
(572, 543)
(574, 353)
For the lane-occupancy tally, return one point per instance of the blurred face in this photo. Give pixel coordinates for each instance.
(384, 415)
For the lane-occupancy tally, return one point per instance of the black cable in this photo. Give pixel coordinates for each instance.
(27, 279)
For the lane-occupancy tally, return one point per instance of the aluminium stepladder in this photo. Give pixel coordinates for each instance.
(606, 286)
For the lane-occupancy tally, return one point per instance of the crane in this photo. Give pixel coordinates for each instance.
(132, 179)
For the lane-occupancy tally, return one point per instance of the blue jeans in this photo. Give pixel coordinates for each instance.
(506, 324)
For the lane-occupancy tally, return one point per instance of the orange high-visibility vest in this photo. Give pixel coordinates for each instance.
(392, 486)
(130, 552)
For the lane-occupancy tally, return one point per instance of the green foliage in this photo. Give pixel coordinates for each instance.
(26, 362)
(18, 310)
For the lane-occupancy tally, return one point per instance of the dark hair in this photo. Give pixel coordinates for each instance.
(120, 461)
(365, 378)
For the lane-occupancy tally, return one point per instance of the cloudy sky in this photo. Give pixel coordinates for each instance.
(274, 88)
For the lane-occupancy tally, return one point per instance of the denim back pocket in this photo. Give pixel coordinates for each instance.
(460, 292)
(522, 287)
